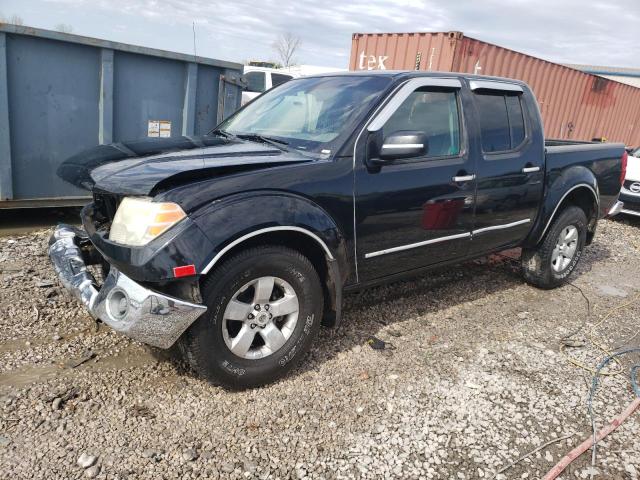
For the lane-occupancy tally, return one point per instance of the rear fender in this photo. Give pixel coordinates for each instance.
(576, 185)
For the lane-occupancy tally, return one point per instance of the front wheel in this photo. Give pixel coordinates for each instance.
(264, 309)
(550, 263)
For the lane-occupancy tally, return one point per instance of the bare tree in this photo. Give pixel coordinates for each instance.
(64, 28)
(14, 20)
(286, 47)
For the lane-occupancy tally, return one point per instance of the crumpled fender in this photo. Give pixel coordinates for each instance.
(232, 220)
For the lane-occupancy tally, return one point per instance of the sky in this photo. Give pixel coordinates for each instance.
(565, 31)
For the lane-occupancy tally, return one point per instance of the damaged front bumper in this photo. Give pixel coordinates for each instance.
(123, 304)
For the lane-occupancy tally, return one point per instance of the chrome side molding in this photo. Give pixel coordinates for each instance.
(501, 227)
(446, 239)
(416, 245)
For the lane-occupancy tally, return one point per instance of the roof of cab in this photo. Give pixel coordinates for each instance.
(415, 73)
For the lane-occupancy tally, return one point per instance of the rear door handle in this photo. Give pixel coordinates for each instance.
(464, 178)
(530, 169)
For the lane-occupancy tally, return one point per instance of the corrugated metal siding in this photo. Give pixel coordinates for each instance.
(62, 93)
(403, 51)
(574, 105)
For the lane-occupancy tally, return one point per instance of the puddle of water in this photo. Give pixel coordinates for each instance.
(133, 356)
(612, 291)
(25, 220)
(28, 376)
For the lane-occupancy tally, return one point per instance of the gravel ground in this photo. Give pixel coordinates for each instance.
(474, 378)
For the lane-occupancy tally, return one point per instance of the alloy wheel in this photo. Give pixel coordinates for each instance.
(565, 248)
(260, 318)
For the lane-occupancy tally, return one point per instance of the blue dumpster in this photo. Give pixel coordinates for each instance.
(63, 93)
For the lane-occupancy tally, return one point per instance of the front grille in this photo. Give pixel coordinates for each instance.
(631, 202)
(627, 184)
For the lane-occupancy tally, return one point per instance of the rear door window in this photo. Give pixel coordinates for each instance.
(433, 112)
(516, 119)
(502, 124)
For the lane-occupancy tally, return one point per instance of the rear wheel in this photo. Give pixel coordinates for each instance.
(555, 258)
(264, 309)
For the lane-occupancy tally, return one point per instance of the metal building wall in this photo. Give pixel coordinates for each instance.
(574, 105)
(61, 93)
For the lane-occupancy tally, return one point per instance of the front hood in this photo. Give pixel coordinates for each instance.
(146, 166)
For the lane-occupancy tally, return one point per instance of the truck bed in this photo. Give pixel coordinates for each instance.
(602, 159)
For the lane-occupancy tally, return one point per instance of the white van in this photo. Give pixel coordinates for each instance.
(261, 79)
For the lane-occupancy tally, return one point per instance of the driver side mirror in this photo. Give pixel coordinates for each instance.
(404, 144)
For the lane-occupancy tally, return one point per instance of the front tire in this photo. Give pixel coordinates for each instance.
(550, 264)
(264, 307)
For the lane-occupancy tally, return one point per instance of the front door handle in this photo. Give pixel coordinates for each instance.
(530, 169)
(464, 178)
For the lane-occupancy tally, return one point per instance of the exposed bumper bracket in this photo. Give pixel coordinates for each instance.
(123, 304)
(616, 209)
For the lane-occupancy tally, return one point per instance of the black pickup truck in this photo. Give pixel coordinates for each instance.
(238, 244)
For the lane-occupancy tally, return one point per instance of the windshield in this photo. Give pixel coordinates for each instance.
(310, 114)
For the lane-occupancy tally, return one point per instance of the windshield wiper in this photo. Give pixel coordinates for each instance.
(276, 142)
(222, 133)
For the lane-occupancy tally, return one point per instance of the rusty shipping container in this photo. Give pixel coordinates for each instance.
(574, 105)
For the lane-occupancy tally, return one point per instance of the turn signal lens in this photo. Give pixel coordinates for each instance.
(184, 271)
(140, 220)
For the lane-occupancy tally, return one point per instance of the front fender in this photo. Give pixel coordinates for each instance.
(233, 220)
(558, 188)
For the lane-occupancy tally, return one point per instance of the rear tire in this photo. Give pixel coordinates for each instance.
(241, 341)
(550, 264)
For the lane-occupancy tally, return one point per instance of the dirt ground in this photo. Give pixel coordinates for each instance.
(474, 378)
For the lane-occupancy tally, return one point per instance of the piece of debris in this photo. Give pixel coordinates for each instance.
(51, 292)
(377, 344)
(142, 411)
(190, 455)
(57, 337)
(152, 454)
(85, 460)
(228, 467)
(88, 355)
(249, 466)
(92, 472)
(573, 342)
(206, 455)
(45, 283)
(57, 403)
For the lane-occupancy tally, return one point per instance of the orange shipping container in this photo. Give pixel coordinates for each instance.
(574, 105)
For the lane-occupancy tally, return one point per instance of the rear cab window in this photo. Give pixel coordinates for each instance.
(502, 124)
